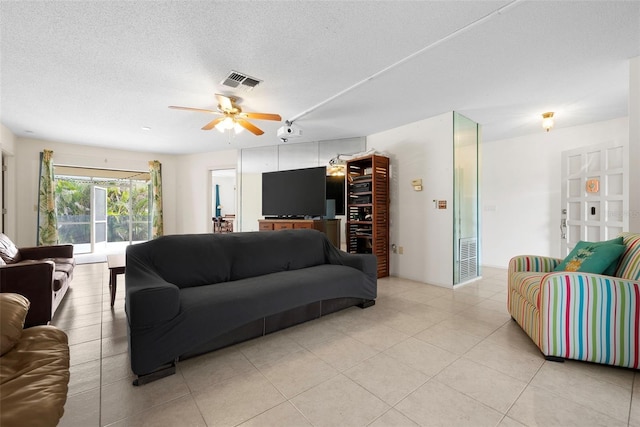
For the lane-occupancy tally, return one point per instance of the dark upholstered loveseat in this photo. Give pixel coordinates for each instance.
(189, 294)
(40, 273)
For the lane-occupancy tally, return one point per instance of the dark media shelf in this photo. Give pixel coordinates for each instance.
(374, 189)
(284, 217)
(330, 227)
(368, 178)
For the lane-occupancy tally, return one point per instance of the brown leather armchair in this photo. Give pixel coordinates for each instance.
(34, 368)
(42, 274)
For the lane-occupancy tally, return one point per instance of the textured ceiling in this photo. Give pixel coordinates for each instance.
(97, 72)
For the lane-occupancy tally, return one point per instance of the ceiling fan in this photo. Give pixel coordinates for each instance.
(232, 116)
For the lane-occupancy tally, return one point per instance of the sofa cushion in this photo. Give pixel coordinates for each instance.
(60, 278)
(13, 311)
(629, 265)
(63, 261)
(527, 284)
(592, 257)
(63, 267)
(184, 260)
(259, 253)
(34, 378)
(8, 251)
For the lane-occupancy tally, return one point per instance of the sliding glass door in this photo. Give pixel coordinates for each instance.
(99, 210)
(73, 209)
(98, 215)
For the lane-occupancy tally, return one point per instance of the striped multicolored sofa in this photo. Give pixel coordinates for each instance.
(583, 316)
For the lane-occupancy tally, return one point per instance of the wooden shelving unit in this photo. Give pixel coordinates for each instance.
(367, 227)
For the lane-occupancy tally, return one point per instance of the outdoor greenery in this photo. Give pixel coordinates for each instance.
(73, 207)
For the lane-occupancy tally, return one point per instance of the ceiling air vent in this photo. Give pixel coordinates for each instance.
(240, 81)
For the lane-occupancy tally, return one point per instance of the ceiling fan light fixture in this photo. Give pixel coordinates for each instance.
(232, 117)
(547, 121)
(227, 124)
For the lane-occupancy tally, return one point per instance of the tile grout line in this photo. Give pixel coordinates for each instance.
(521, 393)
(101, 346)
(633, 385)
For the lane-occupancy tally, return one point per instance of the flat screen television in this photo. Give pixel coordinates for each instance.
(294, 193)
(335, 190)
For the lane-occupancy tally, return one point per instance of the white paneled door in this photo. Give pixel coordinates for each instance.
(594, 196)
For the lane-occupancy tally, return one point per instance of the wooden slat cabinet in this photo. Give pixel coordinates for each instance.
(367, 228)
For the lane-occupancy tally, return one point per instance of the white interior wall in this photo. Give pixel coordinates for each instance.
(226, 193)
(7, 140)
(421, 150)
(252, 164)
(7, 152)
(193, 199)
(634, 142)
(27, 169)
(520, 188)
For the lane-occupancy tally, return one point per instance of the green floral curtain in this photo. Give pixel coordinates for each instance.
(47, 221)
(155, 170)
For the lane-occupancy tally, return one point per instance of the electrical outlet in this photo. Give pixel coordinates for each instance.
(400, 250)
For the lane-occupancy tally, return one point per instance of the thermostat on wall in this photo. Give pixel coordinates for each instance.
(440, 204)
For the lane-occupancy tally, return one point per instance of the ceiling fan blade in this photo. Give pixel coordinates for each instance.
(263, 116)
(226, 103)
(201, 110)
(249, 126)
(212, 123)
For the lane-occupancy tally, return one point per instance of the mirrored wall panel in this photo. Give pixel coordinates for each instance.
(252, 162)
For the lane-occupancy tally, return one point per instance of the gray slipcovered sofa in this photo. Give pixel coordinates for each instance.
(189, 294)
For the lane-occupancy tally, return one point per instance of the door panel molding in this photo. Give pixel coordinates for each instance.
(594, 194)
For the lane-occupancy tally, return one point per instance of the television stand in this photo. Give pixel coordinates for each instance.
(330, 227)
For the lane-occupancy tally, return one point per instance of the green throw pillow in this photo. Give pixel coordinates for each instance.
(594, 257)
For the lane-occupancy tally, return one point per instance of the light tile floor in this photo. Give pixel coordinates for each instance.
(423, 355)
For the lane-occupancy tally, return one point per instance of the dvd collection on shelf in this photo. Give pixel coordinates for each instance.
(367, 226)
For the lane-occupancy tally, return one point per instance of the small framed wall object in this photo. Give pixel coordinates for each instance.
(593, 185)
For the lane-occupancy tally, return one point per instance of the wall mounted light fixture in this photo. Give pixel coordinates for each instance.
(337, 166)
(547, 121)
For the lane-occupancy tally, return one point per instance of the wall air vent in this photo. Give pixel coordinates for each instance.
(240, 81)
(468, 258)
